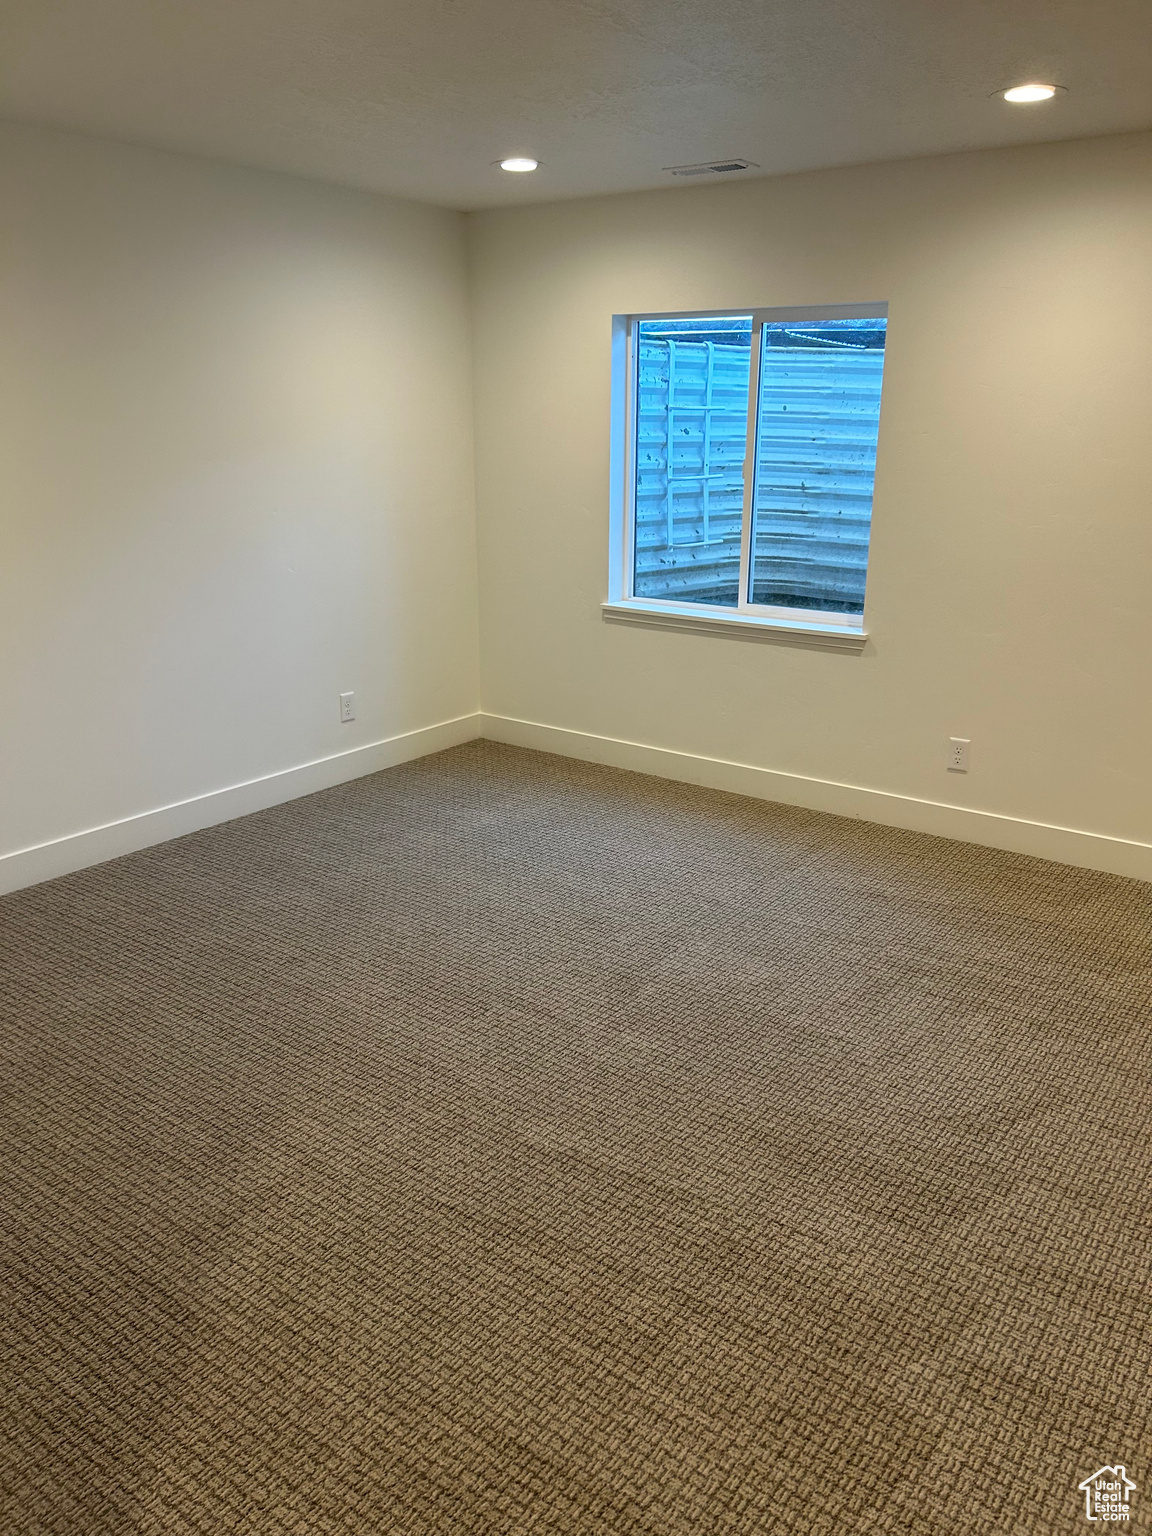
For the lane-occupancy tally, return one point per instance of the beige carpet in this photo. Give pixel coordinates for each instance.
(502, 1145)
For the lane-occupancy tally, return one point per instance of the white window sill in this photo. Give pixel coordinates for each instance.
(741, 626)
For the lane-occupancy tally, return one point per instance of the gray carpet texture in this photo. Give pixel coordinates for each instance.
(505, 1146)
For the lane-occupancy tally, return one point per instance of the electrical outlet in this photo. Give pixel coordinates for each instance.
(347, 707)
(958, 749)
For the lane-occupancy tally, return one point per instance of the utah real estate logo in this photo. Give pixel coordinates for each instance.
(1108, 1494)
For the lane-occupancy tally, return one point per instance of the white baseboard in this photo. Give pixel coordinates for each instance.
(29, 866)
(1065, 845)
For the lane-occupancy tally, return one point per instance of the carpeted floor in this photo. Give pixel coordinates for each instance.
(504, 1146)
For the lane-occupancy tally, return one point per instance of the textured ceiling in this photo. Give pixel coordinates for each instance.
(419, 97)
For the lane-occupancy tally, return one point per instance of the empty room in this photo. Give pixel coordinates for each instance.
(575, 768)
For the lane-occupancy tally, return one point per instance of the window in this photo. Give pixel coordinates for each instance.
(706, 531)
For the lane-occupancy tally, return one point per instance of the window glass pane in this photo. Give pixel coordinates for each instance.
(816, 462)
(691, 432)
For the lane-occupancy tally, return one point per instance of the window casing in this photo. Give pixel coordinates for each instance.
(743, 462)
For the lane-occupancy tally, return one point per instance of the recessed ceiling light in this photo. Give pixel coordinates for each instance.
(1031, 92)
(519, 163)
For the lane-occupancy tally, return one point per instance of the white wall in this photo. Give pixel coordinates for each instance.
(1010, 587)
(235, 479)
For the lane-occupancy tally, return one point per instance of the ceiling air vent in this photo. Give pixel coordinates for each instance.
(712, 168)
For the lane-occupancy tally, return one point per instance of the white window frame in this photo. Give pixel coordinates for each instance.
(839, 631)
